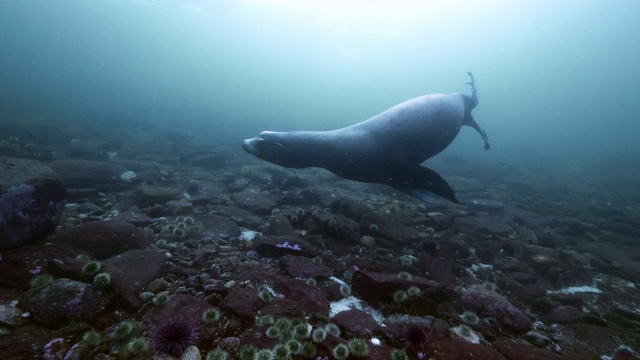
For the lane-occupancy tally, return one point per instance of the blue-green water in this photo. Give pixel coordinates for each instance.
(557, 79)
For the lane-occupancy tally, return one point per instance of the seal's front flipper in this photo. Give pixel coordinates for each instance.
(418, 181)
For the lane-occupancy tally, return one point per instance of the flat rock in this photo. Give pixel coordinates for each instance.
(491, 304)
(260, 203)
(64, 300)
(483, 224)
(356, 323)
(19, 266)
(219, 226)
(304, 267)
(88, 174)
(32, 199)
(523, 351)
(132, 270)
(103, 239)
(243, 303)
(310, 299)
(381, 227)
(375, 287)
(149, 194)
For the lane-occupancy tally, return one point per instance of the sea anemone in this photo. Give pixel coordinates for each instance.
(122, 330)
(294, 346)
(92, 338)
(264, 354)
(332, 329)
(358, 347)
(281, 352)
(301, 331)
(345, 290)
(413, 291)
(217, 354)
(399, 354)
(91, 268)
(273, 332)
(403, 275)
(211, 315)
(415, 340)
(136, 346)
(340, 352)
(308, 350)
(173, 335)
(266, 320)
(469, 317)
(399, 296)
(318, 335)
(248, 352)
(102, 280)
(265, 295)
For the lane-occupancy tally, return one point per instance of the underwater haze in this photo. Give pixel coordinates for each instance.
(557, 80)
(153, 199)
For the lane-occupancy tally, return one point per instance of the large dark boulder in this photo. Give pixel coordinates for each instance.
(32, 199)
(103, 239)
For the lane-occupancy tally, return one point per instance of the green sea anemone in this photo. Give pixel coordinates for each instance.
(281, 352)
(312, 282)
(91, 268)
(283, 324)
(265, 295)
(136, 346)
(317, 260)
(39, 280)
(345, 290)
(373, 228)
(161, 298)
(179, 233)
(92, 338)
(294, 346)
(318, 335)
(358, 347)
(211, 315)
(332, 329)
(122, 330)
(413, 291)
(273, 332)
(301, 331)
(404, 275)
(248, 352)
(399, 296)
(469, 317)
(399, 354)
(266, 320)
(308, 350)
(102, 280)
(264, 354)
(340, 352)
(217, 354)
(333, 222)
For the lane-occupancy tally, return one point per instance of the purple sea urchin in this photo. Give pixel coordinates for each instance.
(173, 335)
(416, 340)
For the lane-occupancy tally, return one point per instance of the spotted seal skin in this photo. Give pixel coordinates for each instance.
(387, 148)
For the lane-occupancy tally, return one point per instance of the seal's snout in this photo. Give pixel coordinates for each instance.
(247, 145)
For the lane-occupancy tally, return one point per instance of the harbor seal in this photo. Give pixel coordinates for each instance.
(387, 148)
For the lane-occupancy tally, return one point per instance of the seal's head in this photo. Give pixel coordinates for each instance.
(271, 146)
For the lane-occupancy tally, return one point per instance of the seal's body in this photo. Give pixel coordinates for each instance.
(387, 148)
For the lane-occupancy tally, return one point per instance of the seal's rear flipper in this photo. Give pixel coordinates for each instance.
(418, 181)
